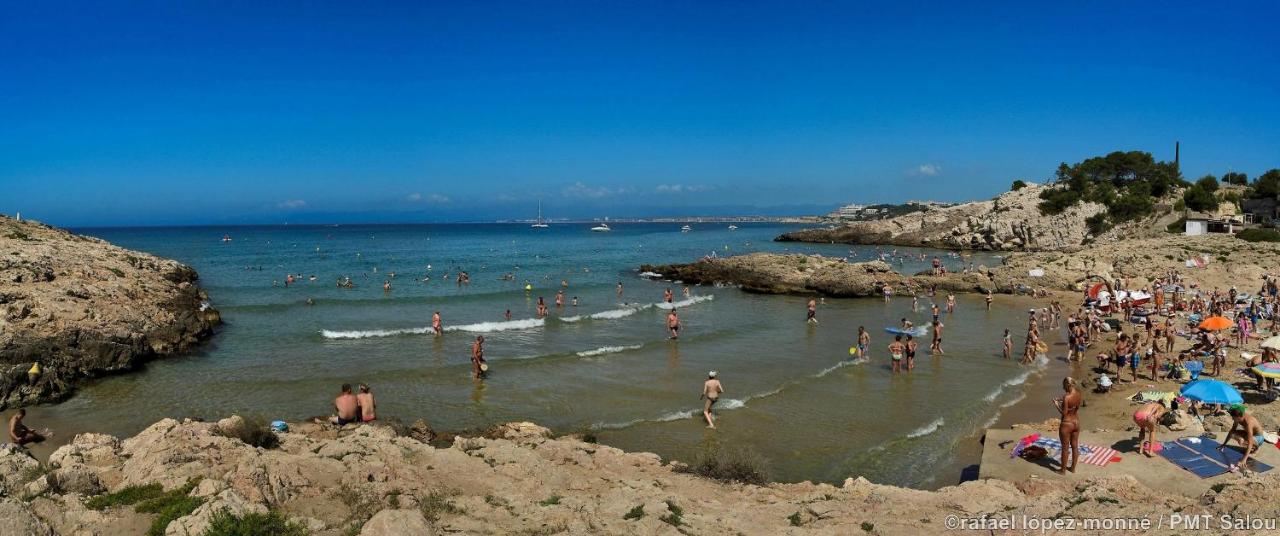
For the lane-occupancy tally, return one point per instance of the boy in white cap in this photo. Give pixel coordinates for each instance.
(711, 390)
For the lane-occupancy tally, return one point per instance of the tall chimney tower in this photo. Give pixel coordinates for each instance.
(1177, 156)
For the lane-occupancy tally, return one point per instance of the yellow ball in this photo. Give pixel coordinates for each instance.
(853, 350)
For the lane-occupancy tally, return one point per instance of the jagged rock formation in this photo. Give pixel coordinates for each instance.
(1010, 222)
(1227, 261)
(81, 307)
(369, 480)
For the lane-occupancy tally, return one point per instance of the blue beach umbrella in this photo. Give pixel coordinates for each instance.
(1212, 392)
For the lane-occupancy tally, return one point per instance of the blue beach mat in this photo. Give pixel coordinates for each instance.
(1203, 458)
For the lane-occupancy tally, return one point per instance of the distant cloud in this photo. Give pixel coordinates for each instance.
(292, 203)
(681, 188)
(927, 170)
(583, 191)
(435, 199)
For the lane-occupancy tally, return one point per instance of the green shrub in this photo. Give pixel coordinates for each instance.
(550, 501)
(676, 517)
(126, 496)
(1018, 185)
(169, 506)
(794, 519)
(435, 504)
(116, 271)
(1177, 227)
(1097, 223)
(635, 513)
(256, 431)
(731, 465)
(272, 523)
(1259, 235)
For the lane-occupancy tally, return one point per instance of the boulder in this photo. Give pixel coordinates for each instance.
(17, 467)
(16, 518)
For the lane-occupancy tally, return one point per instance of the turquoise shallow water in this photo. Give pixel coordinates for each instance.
(793, 396)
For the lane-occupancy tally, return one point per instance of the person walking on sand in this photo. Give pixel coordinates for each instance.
(864, 341)
(673, 324)
(368, 408)
(896, 349)
(711, 390)
(478, 365)
(1147, 417)
(1007, 344)
(436, 325)
(813, 311)
(346, 407)
(1069, 424)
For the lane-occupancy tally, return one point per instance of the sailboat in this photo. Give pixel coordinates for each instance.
(541, 223)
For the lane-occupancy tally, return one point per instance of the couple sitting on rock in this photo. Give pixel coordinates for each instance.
(353, 408)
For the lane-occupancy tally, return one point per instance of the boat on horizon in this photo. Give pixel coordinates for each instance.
(602, 228)
(733, 227)
(686, 229)
(540, 223)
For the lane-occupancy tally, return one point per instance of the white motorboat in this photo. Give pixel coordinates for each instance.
(602, 228)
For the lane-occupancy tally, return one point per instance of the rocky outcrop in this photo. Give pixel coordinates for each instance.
(1010, 222)
(81, 307)
(369, 480)
(1225, 260)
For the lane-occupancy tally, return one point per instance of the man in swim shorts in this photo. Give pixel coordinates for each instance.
(673, 324)
(896, 349)
(711, 390)
(19, 434)
(864, 341)
(346, 406)
(1246, 430)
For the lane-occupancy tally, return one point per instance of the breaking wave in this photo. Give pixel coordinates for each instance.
(927, 429)
(482, 327)
(687, 301)
(608, 350)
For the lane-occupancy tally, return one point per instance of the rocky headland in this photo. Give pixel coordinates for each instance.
(81, 307)
(1226, 261)
(517, 479)
(1010, 222)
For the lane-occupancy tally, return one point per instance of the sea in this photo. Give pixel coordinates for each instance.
(794, 396)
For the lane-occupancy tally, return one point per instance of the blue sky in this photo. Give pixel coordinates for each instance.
(258, 112)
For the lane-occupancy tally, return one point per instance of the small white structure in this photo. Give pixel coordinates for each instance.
(1196, 227)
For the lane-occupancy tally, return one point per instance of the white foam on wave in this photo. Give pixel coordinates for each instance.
(1019, 379)
(1016, 399)
(724, 405)
(482, 327)
(490, 327)
(650, 275)
(991, 397)
(610, 314)
(687, 301)
(369, 333)
(927, 429)
(839, 365)
(609, 350)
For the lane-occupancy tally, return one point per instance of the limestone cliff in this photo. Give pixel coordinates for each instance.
(1009, 222)
(81, 307)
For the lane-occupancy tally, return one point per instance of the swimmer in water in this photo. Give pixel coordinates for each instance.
(673, 324)
(477, 357)
(813, 312)
(667, 296)
(508, 315)
(436, 325)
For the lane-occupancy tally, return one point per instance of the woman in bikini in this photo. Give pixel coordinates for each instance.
(1069, 423)
(1146, 418)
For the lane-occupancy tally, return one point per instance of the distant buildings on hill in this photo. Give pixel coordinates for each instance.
(857, 212)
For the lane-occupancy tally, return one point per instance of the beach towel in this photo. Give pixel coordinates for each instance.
(1202, 458)
(1089, 454)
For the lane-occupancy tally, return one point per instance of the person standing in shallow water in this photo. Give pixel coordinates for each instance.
(673, 324)
(711, 390)
(477, 357)
(813, 311)
(896, 349)
(1069, 424)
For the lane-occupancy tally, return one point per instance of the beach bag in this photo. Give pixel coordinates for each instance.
(280, 426)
